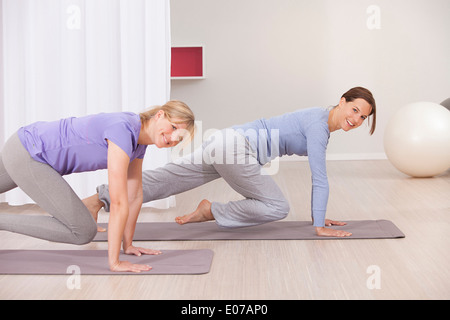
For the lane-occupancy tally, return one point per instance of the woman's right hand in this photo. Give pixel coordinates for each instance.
(328, 232)
(126, 266)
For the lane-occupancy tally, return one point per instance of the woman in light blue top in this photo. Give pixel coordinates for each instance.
(237, 154)
(37, 156)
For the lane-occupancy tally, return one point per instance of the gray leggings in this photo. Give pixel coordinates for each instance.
(228, 155)
(70, 220)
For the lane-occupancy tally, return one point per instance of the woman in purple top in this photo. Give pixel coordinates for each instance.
(37, 156)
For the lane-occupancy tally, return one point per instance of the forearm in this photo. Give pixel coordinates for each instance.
(135, 196)
(117, 222)
(134, 210)
(318, 218)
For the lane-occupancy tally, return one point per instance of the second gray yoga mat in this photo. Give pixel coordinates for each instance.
(95, 262)
(280, 230)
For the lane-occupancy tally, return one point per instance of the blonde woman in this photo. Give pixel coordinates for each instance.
(37, 156)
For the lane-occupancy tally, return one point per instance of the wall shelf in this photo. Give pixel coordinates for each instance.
(188, 62)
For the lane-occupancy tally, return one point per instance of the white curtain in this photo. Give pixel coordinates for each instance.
(66, 58)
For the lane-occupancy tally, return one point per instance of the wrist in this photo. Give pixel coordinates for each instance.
(113, 265)
(126, 246)
(319, 230)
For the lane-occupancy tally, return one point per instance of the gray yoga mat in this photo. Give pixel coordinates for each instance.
(280, 230)
(95, 262)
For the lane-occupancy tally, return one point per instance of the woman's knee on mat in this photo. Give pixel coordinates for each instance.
(279, 210)
(85, 235)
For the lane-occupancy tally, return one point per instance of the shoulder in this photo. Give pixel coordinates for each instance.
(308, 115)
(310, 119)
(122, 128)
(120, 120)
(316, 113)
(314, 117)
(315, 126)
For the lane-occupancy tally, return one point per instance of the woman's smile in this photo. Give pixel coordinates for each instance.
(350, 123)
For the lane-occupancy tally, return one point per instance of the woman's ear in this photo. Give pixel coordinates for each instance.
(159, 114)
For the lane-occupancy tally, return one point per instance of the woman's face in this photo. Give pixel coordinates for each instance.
(167, 134)
(353, 113)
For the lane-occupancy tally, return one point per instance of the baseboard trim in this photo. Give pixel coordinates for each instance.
(341, 157)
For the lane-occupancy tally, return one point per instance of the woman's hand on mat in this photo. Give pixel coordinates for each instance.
(327, 232)
(137, 251)
(126, 266)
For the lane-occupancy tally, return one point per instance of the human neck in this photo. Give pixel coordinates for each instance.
(144, 136)
(333, 123)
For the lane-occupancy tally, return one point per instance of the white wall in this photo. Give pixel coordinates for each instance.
(268, 57)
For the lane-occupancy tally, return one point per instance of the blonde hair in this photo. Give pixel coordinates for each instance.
(176, 112)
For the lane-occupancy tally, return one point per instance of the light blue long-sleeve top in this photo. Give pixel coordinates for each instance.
(305, 133)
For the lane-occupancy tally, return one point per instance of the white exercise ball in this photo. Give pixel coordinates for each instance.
(417, 139)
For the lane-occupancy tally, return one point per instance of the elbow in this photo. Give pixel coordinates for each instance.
(119, 205)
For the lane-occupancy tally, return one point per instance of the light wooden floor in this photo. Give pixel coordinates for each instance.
(417, 267)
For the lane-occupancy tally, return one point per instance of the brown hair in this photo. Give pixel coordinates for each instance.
(173, 109)
(363, 93)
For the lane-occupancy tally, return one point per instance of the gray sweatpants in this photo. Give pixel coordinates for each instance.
(226, 154)
(70, 220)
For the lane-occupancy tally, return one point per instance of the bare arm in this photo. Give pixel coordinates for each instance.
(134, 185)
(118, 163)
(135, 197)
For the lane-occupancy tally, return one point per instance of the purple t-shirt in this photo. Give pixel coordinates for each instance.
(79, 144)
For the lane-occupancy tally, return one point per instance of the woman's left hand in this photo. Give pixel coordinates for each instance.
(137, 251)
(330, 223)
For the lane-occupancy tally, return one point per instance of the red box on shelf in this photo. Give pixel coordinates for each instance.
(187, 63)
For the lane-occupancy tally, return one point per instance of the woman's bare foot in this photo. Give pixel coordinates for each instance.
(202, 213)
(94, 205)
